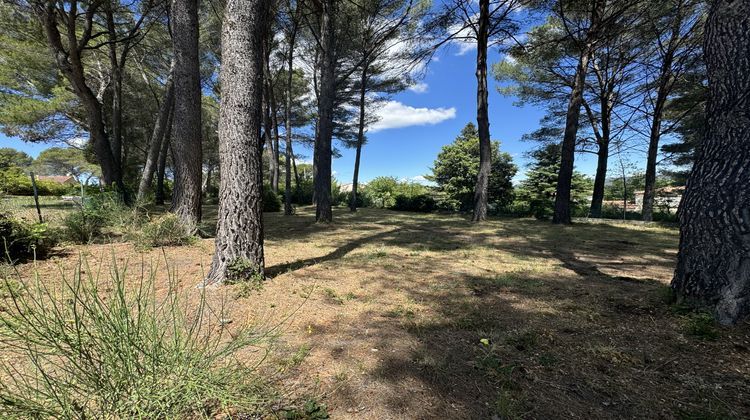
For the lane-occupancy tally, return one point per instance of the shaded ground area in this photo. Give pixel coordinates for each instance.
(397, 315)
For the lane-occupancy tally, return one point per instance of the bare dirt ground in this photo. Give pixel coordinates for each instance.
(392, 315)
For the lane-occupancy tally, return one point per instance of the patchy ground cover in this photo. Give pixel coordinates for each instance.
(395, 315)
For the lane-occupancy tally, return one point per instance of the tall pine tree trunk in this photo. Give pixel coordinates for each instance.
(603, 139)
(157, 138)
(562, 214)
(360, 136)
(239, 236)
(713, 263)
(68, 57)
(483, 121)
(161, 169)
(288, 153)
(323, 139)
(600, 179)
(665, 83)
(186, 123)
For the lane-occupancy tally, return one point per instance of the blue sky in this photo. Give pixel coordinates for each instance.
(409, 152)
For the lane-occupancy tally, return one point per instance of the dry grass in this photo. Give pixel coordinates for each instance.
(53, 208)
(397, 315)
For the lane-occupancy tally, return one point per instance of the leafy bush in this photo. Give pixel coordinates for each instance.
(363, 200)
(14, 181)
(85, 347)
(380, 191)
(104, 210)
(446, 203)
(165, 230)
(302, 194)
(271, 200)
(420, 202)
(22, 240)
(84, 225)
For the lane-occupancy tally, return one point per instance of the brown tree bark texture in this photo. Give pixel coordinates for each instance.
(186, 123)
(713, 262)
(483, 121)
(323, 139)
(239, 236)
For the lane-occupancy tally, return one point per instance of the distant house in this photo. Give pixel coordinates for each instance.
(58, 179)
(666, 199)
(346, 188)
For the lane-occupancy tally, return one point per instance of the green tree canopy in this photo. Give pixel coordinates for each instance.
(65, 161)
(537, 191)
(456, 167)
(10, 157)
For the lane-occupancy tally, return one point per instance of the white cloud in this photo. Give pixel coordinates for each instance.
(464, 38)
(420, 87)
(394, 114)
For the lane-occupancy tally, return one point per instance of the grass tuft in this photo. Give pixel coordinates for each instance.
(90, 347)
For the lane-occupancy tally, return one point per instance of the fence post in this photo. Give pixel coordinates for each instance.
(36, 197)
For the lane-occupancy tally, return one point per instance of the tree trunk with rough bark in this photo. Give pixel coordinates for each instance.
(186, 123)
(322, 156)
(713, 262)
(603, 138)
(69, 61)
(665, 83)
(288, 153)
(483, 120)
(562, 214)
(600, 179)
(239, 236)
(360, 137)
(161, 169)
(157, 139)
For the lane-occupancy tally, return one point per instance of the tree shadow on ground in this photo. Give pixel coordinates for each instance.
(575, 326)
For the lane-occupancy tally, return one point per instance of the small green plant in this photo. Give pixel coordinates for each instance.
(89, 347)
(401, 312)
(331, 295)
(84, 225)
(297, 358)
(21, 240)
(702, 325)
(165, 230)
(244, 270)
(246, 288)
(311, 410)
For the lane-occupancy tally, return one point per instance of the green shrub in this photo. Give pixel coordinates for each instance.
(85, 224)
(15, 181)
(420, 203)
(165, 230)
(446, 203)
(363, 200)
(271, 200)
(21, 240)
(302, 194)
(103, 210)
(85, 347)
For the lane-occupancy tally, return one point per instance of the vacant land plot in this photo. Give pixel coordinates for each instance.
(396, 315)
